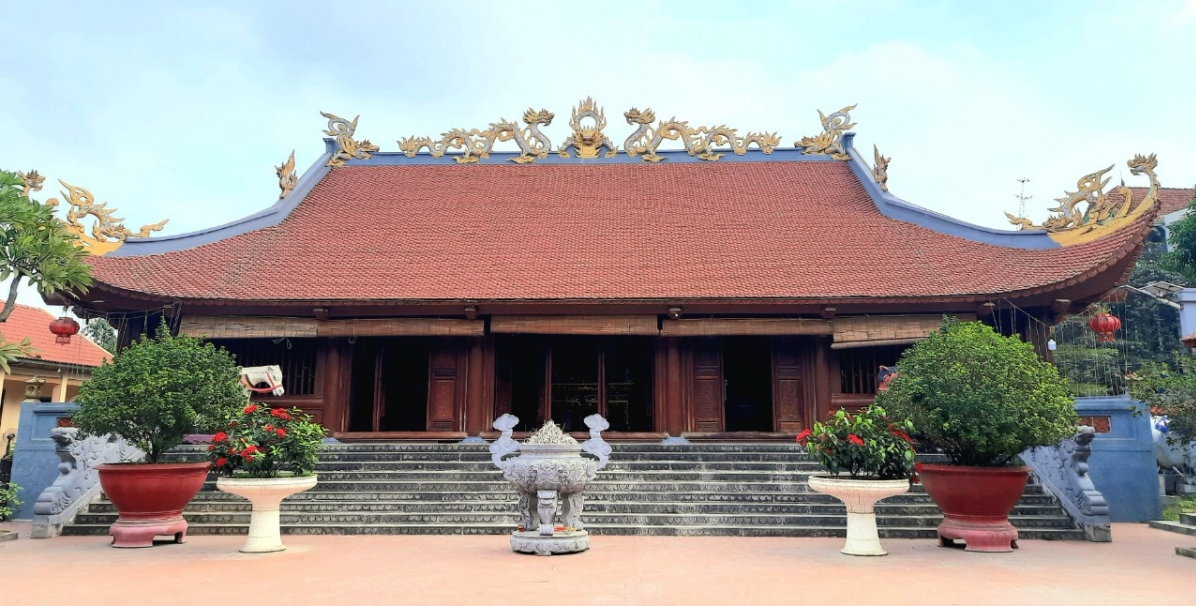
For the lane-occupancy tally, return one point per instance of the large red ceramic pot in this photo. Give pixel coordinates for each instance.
(150, 499)
(976, 502)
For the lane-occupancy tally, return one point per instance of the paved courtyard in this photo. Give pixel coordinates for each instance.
(1140, 567)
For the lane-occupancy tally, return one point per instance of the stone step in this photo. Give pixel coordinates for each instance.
(1188, 518)
(597, 507)
(891, 532)
(1178, 527)
(808, 467)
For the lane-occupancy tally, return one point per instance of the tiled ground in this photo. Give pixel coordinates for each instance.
(1139, 567)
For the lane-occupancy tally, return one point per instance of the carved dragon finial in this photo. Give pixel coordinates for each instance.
(830, 141)
(880, 171)
(108, 232)
(1099, 214)
(287, 178)
(33, 181)
(587, 123)
(477, 144)
(349, 148)
(703, 142)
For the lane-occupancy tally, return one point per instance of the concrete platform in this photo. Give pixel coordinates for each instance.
(1139, 567)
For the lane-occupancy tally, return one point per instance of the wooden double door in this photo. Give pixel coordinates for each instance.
(750, 384)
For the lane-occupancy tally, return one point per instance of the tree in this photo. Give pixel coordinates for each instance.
(1181, 257)
(102, 333)
(35, 246)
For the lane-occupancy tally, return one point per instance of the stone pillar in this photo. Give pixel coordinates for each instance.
(60, 390)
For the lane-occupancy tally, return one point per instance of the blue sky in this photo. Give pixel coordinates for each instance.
(181, 110)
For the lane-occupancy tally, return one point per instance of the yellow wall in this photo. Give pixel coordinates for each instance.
(14, 393)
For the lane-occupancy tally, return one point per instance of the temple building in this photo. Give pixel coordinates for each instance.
(731, 287)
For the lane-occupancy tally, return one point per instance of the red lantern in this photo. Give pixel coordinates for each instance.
(64, 327)
(1104, 324)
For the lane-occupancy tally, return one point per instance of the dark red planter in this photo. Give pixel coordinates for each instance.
(150, 498)
(976, 502)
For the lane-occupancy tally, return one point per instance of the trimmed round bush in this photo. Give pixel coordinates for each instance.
(978, 397)
(159, 389)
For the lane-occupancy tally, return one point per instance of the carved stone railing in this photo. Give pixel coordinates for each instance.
(78, 482)
(1063, 470)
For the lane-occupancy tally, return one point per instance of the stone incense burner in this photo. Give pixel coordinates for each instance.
(550, 472)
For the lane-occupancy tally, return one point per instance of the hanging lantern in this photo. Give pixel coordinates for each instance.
(64, 327)
(1104, 324)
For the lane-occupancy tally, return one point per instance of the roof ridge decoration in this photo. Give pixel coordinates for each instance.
(32, 180)
(342, 130)
(475, 144)
(880, 170)
(287, 177)
(108, 233)
(830, 141)
(588, 139)
(1100, 215)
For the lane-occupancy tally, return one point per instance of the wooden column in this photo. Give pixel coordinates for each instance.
(334, 361)
(824, 373)
(479, 410)
(670, 412)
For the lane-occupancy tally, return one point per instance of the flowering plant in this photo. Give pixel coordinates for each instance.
(865, 444)
(260, 441)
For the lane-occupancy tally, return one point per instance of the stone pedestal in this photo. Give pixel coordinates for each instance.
(266, 495)
(860, 495)
(563, 541)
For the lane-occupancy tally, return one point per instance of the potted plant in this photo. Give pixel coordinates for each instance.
(877, 456)
(153, 393)
(266, 454)
(980, 399)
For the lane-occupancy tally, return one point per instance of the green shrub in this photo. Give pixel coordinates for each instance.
(864, 444)
(8, 499)
(157, 390)
(1169, 391)
(263, 442)
(978, 397)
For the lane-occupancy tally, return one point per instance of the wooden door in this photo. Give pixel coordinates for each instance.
(709, 391)
(446, 385)
(787, 390)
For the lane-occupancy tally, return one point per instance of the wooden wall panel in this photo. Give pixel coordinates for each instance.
(401, 327)
(247, 327)
(575, 325)
(708, 401)
(698, 327)
(788, 386)
(860, 331)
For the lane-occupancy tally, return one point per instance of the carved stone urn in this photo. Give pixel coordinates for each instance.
(860, 495)
(550, 472)
(265, 495)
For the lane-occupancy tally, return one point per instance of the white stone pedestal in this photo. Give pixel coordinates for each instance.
(266, 495)
(859, 496)
(561, 541)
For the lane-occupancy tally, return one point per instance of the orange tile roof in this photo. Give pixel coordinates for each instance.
(1171, 199)
(584, 232)
(34, 322)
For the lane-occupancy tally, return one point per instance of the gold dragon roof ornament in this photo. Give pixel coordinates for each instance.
(588, 139)
(349, 148)
(287, 177)
(108, 233)
(830, 141)
(32, 180)
(475, 144)
(701, 141)
(1100, 215)
(880, 170)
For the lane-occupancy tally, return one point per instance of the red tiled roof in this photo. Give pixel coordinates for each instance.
(1171, 199)
(34, 322)
(604, 231)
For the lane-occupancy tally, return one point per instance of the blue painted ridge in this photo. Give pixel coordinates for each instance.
(895, 208)
(888, 204)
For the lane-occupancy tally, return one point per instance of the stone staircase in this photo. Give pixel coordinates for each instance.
(648, 489)
(1185, 525)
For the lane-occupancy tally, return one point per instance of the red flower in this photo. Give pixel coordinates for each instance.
(854, 439)
(211, 447)
(221, 462)
(250, 409)
(284, 416)
(248, 458)
(803, 436)
(269, 427)
(280, 432)
(901, 434)
(248, 452)
(220, 436)
(277, 412)
(918, 467)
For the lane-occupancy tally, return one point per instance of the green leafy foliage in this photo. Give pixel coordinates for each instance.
(8, 499)
(259, 441)
(159, 389)
(101, 333)
(979, 397)
(865, 444)
(1181, 257)
(10, 351)
(1169, 390)
(35, 246)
